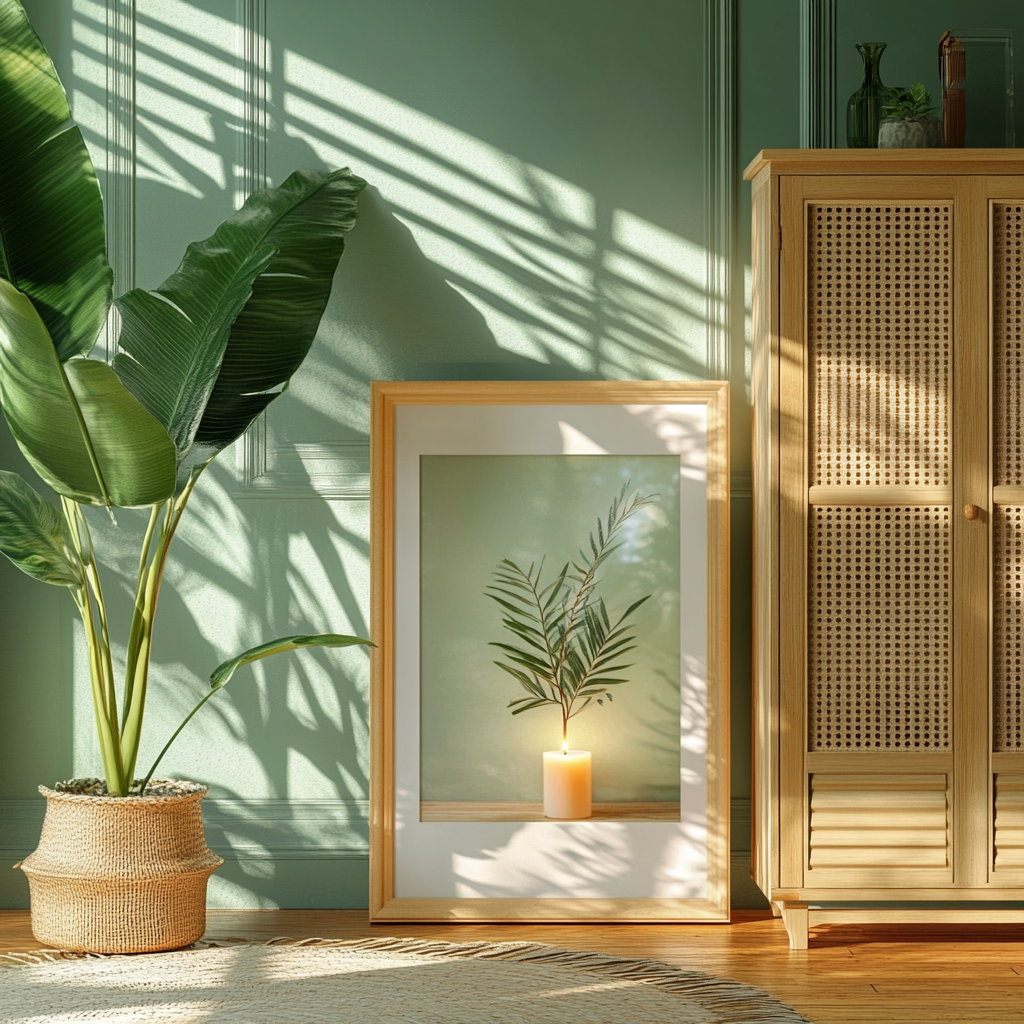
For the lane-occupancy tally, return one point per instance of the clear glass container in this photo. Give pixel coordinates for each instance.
(864, 109)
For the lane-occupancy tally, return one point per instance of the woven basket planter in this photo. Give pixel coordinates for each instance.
(120, 875)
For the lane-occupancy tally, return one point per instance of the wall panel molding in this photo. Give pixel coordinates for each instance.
(120, 152)
(248, 832)
(236, 828)
(721, 180)
(329, 469)
(818, 24)
(253, 53)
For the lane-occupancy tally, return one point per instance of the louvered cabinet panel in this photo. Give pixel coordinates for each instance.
(1008, 831)
(895, 826)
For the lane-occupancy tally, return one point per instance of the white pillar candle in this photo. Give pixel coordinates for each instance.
(566, 783)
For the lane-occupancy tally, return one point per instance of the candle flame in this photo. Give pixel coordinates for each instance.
(565, 746)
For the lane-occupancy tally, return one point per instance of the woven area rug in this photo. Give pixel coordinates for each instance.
(373, 981)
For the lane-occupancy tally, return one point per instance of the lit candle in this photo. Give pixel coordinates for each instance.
(566, 783)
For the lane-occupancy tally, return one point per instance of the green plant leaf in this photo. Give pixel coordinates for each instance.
(52, 240)
(535, 704)
(83, 433)
(305, 220)
(34, 535)
(172, 339)
(223, 672)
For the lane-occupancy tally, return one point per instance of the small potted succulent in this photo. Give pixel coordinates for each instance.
(908, 123)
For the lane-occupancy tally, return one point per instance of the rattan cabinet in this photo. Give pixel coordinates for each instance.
(888, 390)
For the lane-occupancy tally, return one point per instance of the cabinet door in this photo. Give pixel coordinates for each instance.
(884, 652)
(1007, 301)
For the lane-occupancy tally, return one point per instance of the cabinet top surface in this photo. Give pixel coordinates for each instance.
(886, 161)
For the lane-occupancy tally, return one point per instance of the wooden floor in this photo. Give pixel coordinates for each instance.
(967, 974)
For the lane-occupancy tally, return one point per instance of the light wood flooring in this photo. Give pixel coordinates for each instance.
(895, 974)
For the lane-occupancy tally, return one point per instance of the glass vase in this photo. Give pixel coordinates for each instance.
(864, 111)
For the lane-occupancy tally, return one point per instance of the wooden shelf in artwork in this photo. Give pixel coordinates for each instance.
(459, 810)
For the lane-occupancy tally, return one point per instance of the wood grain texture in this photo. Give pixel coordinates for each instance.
(382, 659)
(922, 973)
(765, 450)
(464, 810)
(1008, 831)
(869, 495)
(919, 889)
(792, 716)
(878, 821)
(795, 918)
(971, 790)
(386, 397)
(885, 162)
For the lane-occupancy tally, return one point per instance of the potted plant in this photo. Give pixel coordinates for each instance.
(908, 123)
(568, 650)
(122, 863)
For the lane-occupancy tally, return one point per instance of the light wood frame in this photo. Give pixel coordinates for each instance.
(386, 398)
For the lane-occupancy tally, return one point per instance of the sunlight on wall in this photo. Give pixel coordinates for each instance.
(184, 93)
(555, 277)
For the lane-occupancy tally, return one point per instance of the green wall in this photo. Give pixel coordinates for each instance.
(536, 210)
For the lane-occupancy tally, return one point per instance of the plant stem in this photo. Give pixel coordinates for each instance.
(100, 667)
(137, 668)
(139, 616)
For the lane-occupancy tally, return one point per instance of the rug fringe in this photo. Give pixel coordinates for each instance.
(733, 1001)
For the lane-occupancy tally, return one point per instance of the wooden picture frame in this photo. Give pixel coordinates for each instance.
(662, 866)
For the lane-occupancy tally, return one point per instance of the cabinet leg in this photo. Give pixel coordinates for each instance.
(794, 917)
(776, 909)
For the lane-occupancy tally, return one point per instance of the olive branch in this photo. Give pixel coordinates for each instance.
(570, 648)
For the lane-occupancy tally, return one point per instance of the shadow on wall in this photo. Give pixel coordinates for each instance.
(467, 262)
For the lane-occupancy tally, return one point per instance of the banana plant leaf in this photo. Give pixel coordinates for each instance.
(82, 432)
(223, 672)
(52, 241)
(172, 339)
(306, 220)
(34, 535)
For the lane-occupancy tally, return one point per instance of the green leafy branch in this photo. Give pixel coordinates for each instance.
(569, 649)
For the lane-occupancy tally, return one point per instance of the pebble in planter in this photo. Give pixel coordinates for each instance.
(908, 123)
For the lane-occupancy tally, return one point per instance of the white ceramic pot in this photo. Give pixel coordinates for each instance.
(909, 133)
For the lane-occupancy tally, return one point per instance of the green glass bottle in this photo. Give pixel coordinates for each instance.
(864, 111)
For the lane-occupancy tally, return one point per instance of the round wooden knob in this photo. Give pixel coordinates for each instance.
(971, 511)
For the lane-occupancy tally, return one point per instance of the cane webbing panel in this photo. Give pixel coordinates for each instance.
(1007, 339)
(1008, 628)
(878, 628)
(879, 343)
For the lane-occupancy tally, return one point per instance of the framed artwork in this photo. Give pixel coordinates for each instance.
(549, 709)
